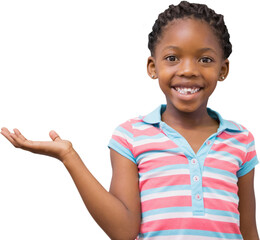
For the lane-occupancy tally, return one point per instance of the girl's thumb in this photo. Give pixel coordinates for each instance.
(54, 136)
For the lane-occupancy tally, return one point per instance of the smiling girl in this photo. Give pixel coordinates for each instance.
(181, 172)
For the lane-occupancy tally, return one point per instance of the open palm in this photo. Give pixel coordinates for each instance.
(56, 148)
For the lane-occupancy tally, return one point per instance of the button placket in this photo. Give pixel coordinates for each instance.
(195, 166)
(196, 187)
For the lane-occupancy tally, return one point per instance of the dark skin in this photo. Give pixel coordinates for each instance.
(187, 53)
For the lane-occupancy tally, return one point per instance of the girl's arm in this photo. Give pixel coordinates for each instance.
(117, 212)
(247, 206)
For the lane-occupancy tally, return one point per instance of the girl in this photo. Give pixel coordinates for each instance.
(182, 171)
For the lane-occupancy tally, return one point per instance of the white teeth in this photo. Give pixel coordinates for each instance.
(187, 90)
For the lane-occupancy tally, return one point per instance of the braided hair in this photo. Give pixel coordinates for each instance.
(196, 11)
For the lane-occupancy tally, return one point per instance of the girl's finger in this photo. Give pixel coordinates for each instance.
(54, 136)
(5, 132)
(21, 141)
(25, 144)
(18, 133)
(17, 140)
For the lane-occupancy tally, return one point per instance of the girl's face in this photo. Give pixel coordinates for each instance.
(188, 62)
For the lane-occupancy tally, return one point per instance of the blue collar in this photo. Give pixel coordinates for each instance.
(155, 118)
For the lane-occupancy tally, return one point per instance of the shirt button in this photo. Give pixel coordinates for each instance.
(194, 161)
(198, 197)
(209, 142)
(196, 178)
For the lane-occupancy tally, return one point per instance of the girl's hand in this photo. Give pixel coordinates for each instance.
(56, 148)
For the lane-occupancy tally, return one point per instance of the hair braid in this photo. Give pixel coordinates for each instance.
(198, 11)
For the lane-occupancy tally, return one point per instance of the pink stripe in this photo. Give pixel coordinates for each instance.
(156, 146)
(250, 138)
(223, 165)
(128, 124)
(190, 223)
(147, 132)
(179, 179)
(239, 137)
(218, 204)
(232, 150)
(177, 201)
(162, 161)
(249, 156)
(219, 184)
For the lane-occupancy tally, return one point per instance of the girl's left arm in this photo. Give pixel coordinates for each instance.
(246, 206)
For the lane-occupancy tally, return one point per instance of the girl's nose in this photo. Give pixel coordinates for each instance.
(188, 68)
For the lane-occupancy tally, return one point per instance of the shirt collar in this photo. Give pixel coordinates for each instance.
(155, 118)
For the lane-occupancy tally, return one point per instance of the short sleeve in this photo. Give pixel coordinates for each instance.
(122, 141)
(250, 160)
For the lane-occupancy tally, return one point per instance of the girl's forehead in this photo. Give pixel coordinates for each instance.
(189, 32)
(188, 28)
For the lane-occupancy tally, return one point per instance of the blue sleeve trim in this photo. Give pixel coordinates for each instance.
(247, 167)
(121, 150)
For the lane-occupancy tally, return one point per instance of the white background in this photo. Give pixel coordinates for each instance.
(79, 67)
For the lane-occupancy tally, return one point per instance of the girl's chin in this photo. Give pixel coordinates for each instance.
(187, 102)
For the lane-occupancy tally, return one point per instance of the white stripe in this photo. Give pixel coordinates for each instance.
(122, 135)
(149, 140)
(221, 197)
(219, 176)
(221, 157)
(164, 173)
(185, 237)
(159, 155)
(167, 216)
(165, 194)
(231, 144)
(143, 127)
(189, 215)
(251, 149)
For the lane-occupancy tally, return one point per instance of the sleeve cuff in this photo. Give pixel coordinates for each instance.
(248, 167)
(121, 150)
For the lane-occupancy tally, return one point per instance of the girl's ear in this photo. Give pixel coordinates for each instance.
(224, 70)
(151, 67)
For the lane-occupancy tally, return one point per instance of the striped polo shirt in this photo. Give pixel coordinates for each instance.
(186, 196)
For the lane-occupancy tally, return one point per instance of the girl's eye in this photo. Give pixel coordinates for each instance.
(172, 59)
(206, 60)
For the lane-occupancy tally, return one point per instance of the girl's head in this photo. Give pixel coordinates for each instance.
(189, 49)
(196, 11)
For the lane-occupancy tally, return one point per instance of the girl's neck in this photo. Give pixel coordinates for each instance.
(187, 120)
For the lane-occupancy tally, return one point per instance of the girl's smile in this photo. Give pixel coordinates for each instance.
(188, 62)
